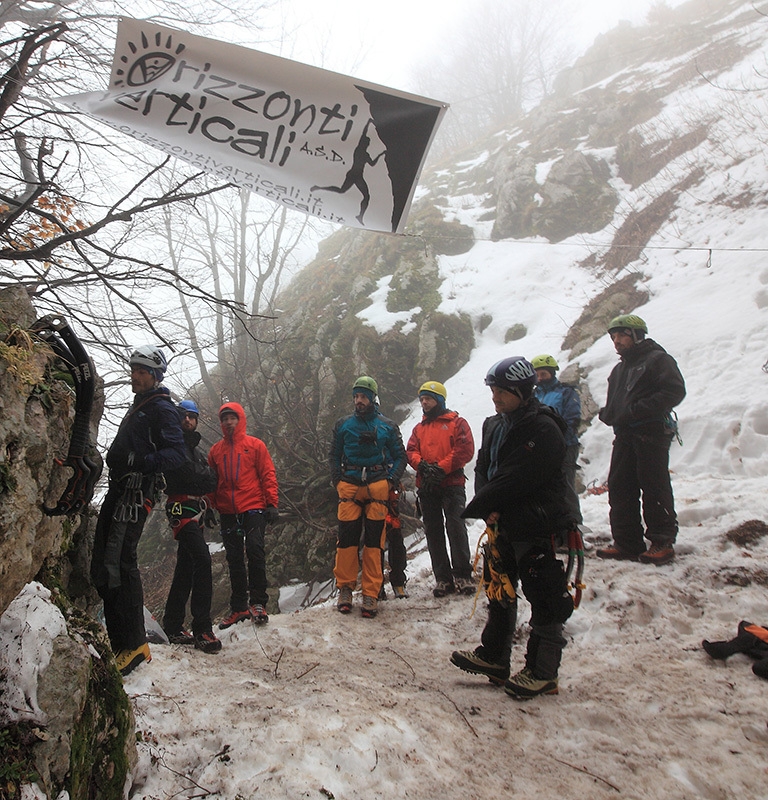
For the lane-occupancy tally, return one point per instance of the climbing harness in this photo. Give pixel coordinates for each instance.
(177, 511)
(575, 562)
(82, 457)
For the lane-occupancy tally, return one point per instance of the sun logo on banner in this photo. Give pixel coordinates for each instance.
(147, 62)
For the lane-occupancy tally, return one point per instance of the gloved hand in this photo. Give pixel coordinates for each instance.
(431, 475)
(210, 519)
(272, 515)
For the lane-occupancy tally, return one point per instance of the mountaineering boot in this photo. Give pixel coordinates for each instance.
(658, 553)
(345, 600)
(370, 607)
(443, 588)
(259, 614)
(473, 661)
(128, 660)
(234, 617)
(180, 637)
(207, 642)
(400, 592)
(615, 553)
(464, 586)
(526, 685)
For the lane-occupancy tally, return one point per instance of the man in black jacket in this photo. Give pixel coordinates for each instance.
(520, 493)
(148, 442)
(186, 508)
(643, 388)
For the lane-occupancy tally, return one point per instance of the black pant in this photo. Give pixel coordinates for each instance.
(640, 465)
(191, 576)
(545, 590)
(243, 535)
(115, 573)
(441, 513)
(397, 556)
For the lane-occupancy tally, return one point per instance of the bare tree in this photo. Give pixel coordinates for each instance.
(501, 60)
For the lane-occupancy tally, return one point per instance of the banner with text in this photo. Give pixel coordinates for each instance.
(341, 149)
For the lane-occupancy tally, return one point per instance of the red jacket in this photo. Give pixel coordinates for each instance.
(445, 440)
(244, 469)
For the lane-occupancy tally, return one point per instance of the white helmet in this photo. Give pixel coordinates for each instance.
(151, 358)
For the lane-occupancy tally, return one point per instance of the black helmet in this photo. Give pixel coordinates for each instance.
(515, 374)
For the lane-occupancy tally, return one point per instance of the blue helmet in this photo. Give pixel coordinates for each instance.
(189, 406)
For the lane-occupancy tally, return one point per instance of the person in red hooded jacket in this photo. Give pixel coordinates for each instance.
(246, 499)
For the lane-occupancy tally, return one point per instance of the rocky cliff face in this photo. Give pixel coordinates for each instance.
(74, 727)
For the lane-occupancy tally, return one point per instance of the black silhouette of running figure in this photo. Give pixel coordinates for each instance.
(360, 160)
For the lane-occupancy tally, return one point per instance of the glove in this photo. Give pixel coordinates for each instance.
(272, 515)
(209, 518)
(431, 476)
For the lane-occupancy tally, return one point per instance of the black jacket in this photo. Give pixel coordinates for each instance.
(528, 488)
(149, 439)
(642, 388)
(194, 476)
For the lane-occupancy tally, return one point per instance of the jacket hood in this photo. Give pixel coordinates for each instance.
(242, 423)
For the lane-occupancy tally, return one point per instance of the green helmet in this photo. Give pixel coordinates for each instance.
(631, 321)
(364, 382)
(545, 361)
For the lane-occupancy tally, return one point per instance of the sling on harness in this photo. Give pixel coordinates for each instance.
(82, 457)
(575, 560)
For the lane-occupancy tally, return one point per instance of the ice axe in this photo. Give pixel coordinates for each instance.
(86, 465)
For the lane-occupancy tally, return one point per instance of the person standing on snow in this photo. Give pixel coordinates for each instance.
(565, 400)
(185, 507)
(246, 499)
(367, 459)
(438, 448)
(148, 442)
(643, 388)
(520, 493)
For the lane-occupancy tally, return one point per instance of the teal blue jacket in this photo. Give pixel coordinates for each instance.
(366, 448)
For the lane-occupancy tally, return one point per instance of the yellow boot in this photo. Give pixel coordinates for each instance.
(128, 660)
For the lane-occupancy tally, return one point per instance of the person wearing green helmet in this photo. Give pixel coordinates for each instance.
(367, 458)
(643, 388)
(565, 400)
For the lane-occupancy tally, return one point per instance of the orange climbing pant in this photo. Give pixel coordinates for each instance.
(362, 511)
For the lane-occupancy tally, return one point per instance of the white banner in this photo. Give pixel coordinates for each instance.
(341, 149)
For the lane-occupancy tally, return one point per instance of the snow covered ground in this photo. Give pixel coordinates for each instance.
(316, 704)
(319, 704)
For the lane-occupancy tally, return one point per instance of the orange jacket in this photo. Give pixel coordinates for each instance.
(445, 440)
(244, 469)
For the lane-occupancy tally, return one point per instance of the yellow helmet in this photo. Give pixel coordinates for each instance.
(433, 387)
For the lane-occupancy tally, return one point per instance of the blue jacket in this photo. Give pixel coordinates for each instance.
(149, 439)
(565, 400)
(366, 448)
